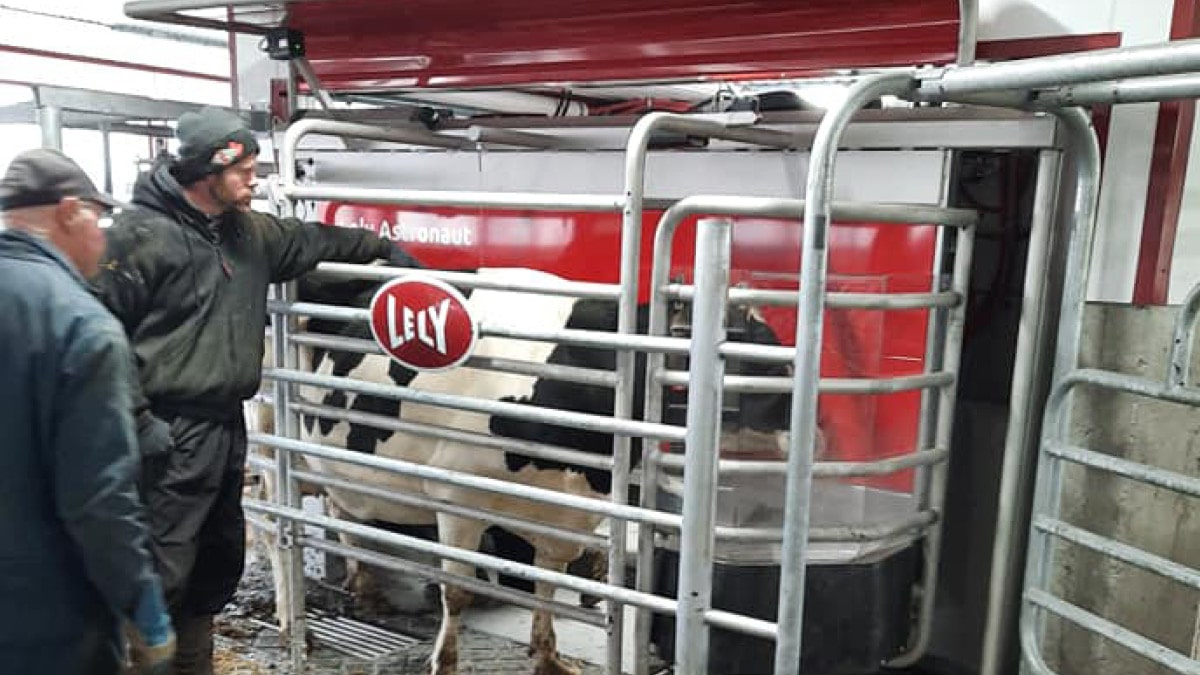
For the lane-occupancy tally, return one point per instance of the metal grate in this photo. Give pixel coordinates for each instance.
(355, 638)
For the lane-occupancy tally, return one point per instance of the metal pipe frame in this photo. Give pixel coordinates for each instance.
(574, 289)
(1132, 641)
(287, 492)
(661, 291)
(535, 450)
(1082, 143)
(1047, 503)
(438, 505)
(1179, 362)
(486, 135)
(809, 320)
(882, 301)
(511, 568)
(728, 620)
(471, 584)
(582, 338)
(50, 121)
(767, 384)
(1126, 469)
(553, 371)
(877, 467)
(714, 240)
(1007, 556)
(458, 479)
(632, 205)
(536, 201)
(105, 129)
(305, 70)
(968, 31)
(943, 435)
(1136, 90)
(1129, 555)
(876, 532)
(602, 423)
(1172, 58)
(935, 341)
(636, 150)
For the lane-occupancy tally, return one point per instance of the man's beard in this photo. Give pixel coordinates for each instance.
(229, 204)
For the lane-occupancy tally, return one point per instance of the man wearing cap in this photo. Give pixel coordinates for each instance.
(74, 550)
(186, 272)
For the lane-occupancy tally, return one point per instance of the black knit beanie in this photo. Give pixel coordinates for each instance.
(210, 141)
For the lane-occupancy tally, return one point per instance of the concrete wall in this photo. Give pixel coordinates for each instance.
(1134, 341)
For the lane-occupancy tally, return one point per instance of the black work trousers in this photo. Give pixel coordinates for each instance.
(193, 492)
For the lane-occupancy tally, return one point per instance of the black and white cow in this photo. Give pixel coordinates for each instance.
(763, 419)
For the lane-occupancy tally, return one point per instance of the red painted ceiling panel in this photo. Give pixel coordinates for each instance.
(379, 44)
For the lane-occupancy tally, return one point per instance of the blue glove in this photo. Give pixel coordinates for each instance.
(152, 640)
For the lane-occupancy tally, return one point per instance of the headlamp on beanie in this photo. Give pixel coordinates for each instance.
(210, 141)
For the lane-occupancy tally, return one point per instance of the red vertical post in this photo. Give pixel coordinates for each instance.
(1168, 169)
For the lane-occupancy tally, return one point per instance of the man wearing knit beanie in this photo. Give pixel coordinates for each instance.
(186, 271)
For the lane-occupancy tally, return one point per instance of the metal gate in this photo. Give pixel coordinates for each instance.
(707, 349)
(1048, 523)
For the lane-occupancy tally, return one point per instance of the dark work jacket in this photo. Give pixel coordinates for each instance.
(191, 290)
(73, 547)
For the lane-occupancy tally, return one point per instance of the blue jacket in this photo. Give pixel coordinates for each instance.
(73, 548)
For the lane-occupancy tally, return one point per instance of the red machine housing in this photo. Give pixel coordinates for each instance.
(367, 45)
(582, 246)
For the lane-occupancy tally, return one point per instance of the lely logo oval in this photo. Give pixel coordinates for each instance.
(423, 323)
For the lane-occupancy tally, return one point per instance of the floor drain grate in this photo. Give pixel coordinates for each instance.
(355, 638)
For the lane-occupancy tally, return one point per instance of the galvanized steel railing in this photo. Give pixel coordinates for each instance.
(625, 341)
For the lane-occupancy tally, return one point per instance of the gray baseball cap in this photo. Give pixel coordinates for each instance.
(42, 177)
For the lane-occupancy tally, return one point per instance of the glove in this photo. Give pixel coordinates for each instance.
(151, 639)
(396, 256)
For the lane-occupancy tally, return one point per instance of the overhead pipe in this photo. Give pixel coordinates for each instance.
(486, 135)
(1109, 92)
(512, 102)
(1171, 58)
(305, 70)
(1135, 90)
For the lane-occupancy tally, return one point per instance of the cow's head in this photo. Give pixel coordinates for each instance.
(752, 425)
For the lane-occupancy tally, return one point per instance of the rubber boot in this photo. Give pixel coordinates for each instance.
(194, 645)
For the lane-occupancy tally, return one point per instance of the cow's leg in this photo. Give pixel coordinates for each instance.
(361, 581)
(593, 565)
(543, 645)
(466, 534)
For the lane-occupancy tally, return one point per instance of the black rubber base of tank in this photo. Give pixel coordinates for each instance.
(856, 616)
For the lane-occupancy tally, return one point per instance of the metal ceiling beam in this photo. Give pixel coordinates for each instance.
(115, 105)
(88, 109)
